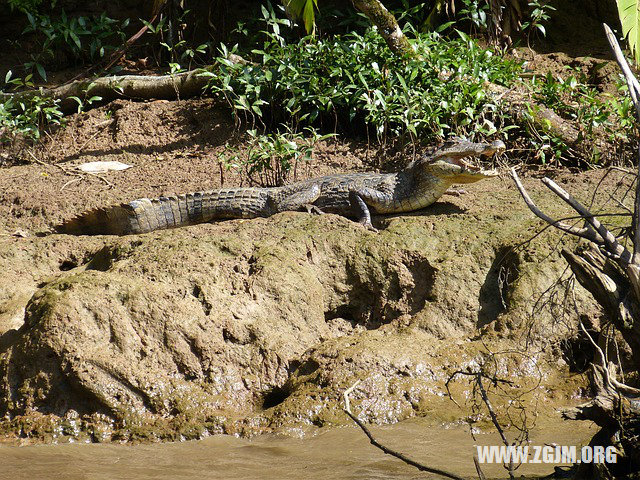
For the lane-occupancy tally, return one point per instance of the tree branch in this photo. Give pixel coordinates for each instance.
(388, 451)
(180, 85)
(610, 242)
(387, 26)
(634, 91)
(586, 233)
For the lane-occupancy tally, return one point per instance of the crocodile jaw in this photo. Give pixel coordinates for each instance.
(456, 170)
(472, 176)
(452, 167)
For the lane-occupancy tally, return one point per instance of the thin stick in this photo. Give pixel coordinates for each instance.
(106, 182)
(579, 232)
(388, 451)
(476, 462)
(609, 239)
(634, 91)
(494, 419)
(74, 180)
(632, 81)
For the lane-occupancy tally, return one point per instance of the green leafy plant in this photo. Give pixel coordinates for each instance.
(182, 52)
(18, 82)
(174, 49)
(81, 38)
(353, 83)
(27, 117)
(597, 114)
(475, 12)
(82, 104)
(25, 6)
(272, 158)
(539, 14)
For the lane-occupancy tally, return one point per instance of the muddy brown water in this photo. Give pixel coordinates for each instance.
(342, 453)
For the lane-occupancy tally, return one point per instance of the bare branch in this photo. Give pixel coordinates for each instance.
(179, 85)
(388, 451)
(609, 240)
(494, 419)
(586, 233)
(478, 376)
(632, 81)
(609, 379)
(476, 462)
(601, 355)
(634, 91)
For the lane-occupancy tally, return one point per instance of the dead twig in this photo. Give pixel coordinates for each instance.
(608, 378)
(608, 239)
(478, 376)
(387, 450)
(597, 234)
(586, 233)
(100, 128)
(476, 462)
(79, 176)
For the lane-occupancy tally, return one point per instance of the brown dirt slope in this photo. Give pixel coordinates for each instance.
(254, 326)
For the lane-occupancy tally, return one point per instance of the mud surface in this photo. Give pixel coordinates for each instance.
(174, 147)
(257, 326)
(249, 327)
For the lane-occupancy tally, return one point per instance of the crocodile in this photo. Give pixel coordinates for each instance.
(354, 195)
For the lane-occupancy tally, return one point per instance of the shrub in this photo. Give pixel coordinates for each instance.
(353, 83)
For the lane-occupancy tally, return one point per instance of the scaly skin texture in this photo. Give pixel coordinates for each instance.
(351, 194)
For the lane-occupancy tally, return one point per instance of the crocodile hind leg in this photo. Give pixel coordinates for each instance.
(363, 198)
(311, 208)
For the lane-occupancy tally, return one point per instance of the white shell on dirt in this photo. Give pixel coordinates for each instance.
(101, 167)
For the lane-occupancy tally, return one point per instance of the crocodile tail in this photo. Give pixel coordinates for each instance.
(146, 215)
(139, 216)
(113, 220)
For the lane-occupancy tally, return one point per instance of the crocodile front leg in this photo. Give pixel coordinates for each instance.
(298, 200)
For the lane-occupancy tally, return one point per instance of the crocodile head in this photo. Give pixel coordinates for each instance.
(449, 162)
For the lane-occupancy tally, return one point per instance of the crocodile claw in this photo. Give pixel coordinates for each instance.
(369, 226)
(310, 208)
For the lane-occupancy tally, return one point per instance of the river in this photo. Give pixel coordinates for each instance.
(338, 453)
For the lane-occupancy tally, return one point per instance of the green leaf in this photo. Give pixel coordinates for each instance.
(41, 71)
(630, 19)
(304, 9)
(79, 103)
(309, 16)
(75, 39)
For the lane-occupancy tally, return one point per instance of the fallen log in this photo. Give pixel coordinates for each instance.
(170, 87)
